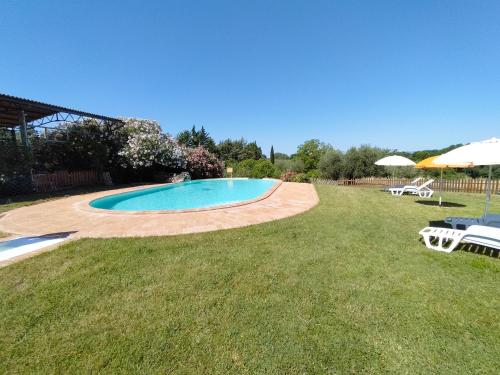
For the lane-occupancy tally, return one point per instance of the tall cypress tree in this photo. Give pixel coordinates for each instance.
(271, 155)
(195, 137)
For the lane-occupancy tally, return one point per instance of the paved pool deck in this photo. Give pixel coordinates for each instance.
(72, 214)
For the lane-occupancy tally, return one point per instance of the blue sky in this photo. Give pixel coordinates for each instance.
(399, 74)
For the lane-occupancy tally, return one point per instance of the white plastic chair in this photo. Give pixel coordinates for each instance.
(423, 191)
(413, 182)
(446, 240)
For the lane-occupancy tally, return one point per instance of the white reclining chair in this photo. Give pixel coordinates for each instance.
(445, 239)
(412, 183)
(423, 191)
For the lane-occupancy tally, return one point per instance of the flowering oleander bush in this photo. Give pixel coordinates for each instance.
(203, 164)
(147, 145)
(288, 176)
(291, 176)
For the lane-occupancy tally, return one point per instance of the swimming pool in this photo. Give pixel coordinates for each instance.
(196, 194)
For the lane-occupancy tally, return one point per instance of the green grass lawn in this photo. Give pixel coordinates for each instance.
(344, 288)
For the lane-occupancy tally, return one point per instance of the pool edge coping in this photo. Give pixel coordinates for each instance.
(84, 205)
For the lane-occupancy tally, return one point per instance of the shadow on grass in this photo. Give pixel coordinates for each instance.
(58, 234)
(443, 204)
(473, 248)
(14, 240)
(28, 240)
(479, 250)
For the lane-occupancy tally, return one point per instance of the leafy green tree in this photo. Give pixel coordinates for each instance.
(331, 164)
(424, 154)
(194, 138)
(297, 166)
(184, 138)
(281, 156)
(245, 168)
(310, 153)
(283, 165)
(264, 168)
(133, 151)
(256, 169)
(360, 162)
(252, 151)
(230, 149)
(238, 150)
(271, 155)
(76, 146)
(206, 141)
(481, 172)
(13, 159)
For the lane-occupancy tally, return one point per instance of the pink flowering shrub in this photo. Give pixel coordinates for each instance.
(148, 147)
(291, 176)
(288, 176)
(203, 164)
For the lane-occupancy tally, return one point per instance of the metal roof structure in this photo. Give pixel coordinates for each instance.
(37, 114)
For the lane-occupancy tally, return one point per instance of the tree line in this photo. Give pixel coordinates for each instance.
(139, 150)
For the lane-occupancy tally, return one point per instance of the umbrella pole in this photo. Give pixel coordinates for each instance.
(441, 187)
(488, 192)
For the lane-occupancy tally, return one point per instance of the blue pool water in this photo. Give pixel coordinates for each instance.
(187, 195)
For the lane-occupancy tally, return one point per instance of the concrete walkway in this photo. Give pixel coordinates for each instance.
(73, 215)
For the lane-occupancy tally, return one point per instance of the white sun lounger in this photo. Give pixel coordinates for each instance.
(491, 220)
(444, 239)
(423, 191)
(412, 183)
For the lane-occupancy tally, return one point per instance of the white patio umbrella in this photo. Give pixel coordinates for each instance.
(475, 154)
(395, 161)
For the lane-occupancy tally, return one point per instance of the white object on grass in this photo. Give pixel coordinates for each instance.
(446, 240)
(413, 182)
(423, 191)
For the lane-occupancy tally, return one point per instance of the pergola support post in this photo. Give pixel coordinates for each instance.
(24, 129)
